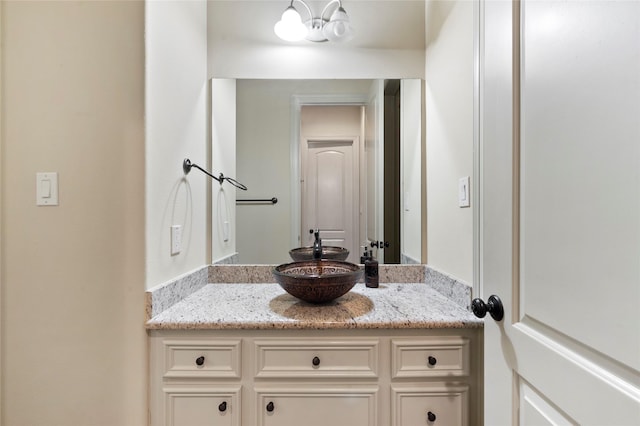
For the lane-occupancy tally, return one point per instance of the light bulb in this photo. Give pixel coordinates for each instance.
(338, 28)
(290, 26)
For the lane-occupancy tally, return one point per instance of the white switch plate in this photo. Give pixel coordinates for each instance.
(176, 239)
(463, 192)
(47, 189)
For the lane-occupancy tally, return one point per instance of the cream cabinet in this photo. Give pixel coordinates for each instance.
(369, 377)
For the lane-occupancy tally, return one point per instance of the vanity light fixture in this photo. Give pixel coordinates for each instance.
(337, 28)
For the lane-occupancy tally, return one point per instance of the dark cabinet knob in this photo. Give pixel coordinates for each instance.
(200, 361)
(493, 306)
(431, 417)
(222, 407)
(270, 406)
(432, 360)
(315, 361)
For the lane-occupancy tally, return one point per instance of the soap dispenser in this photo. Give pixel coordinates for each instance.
(371, 271)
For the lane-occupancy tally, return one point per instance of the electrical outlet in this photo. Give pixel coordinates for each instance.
(176, 239)
(463, 192)
(225, 231)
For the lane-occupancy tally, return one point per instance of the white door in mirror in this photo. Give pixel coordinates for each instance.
(47, 189)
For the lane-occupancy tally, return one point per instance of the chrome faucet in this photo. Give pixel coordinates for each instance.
(317, 245)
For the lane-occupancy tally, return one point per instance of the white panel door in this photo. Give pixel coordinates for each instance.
(560, 211)
(330, 192)
(374, 158)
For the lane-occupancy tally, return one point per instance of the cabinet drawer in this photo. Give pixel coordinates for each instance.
(316, 358)
(437, 357)
(315, 406)
(196, 406)
(429, 406)
(202, 359)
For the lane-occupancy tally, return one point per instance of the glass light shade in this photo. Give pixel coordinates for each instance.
(339, 27)
(290, 26)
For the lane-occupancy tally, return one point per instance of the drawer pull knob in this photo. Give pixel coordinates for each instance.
(315, 361)
(223, 406)
(431, 417)
(432, 360)
(200, 360)
(270, 406)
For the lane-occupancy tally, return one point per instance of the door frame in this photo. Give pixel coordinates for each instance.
(297, 102)
(476, 184)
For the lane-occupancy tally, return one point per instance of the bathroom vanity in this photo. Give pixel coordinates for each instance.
(251, 354)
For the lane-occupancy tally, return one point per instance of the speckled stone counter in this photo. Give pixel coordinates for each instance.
(268, 306)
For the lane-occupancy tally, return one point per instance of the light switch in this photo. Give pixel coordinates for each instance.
(463, 192)
(47, 189)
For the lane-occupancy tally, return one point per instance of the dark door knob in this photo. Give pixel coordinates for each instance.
(315, 361)
(222, 407)
(380, 244)
(431, 417)
(270, 406)
(432, 360)
(200, 360)
(493, 306)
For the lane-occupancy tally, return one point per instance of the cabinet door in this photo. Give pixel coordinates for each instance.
(317, 407)
(190, 406)
(445, 405)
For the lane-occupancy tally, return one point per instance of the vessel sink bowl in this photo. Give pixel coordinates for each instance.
(328, 252)
(317, 281)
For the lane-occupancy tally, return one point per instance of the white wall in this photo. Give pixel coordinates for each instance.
(73, 342)
(223, 160)
(258, 53)
(176, 128)
(449, 135)
(264, 162)
(411, 141)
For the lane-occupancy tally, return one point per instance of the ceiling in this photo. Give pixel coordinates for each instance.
(391, 24)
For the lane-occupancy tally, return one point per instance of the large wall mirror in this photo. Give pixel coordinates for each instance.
(342, 156)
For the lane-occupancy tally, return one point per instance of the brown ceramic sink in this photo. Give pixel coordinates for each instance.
(317, 281)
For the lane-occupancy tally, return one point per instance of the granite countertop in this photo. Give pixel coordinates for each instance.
(268, 306)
